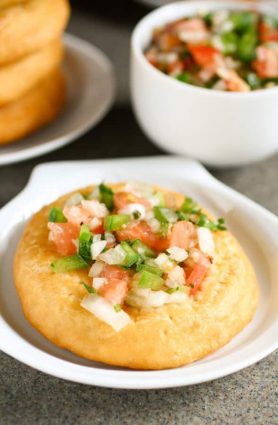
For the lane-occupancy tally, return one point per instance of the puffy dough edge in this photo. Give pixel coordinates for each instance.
(36, 108)
(31, 69)
(158, 338)
(26, 26)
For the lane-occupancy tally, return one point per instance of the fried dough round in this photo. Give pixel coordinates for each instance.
(19, 77)
(36, 108)
(29, 25)
(163, 337)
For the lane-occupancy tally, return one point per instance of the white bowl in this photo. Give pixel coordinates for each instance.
(219, 128)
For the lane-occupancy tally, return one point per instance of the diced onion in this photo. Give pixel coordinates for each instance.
(154, 224)
(176, 277)
(164, 263)
(97, 248)
(110, 238)
(94, 223)
(105, 312)
(134, 207)
(178, 254)
(113, 255)
(97, 237)
(95, 208)
(74, 199)
(96, 269)
(206, 242)
(98, 282)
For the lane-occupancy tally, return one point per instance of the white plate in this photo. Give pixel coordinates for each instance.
(255, 227)
(90, 93)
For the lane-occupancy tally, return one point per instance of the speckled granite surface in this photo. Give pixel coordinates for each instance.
(29, 397)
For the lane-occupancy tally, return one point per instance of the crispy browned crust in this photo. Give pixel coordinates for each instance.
(17, 78)
(36, 108)
(158, 338)
(29, 25)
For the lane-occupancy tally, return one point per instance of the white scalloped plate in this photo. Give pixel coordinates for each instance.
(256, 228)
(90, 92)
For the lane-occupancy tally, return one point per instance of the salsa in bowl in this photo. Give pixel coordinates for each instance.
(227, 50)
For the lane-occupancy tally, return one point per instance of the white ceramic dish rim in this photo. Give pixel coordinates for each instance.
(90, 51)
(15, 345)
(184, 6)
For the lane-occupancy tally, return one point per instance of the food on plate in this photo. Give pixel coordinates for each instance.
(29, 25)
(32, 87)
(133, 275)
(227, 50)
(19, 77)
(36, 108)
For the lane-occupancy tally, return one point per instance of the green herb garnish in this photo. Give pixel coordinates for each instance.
(117, 308)
(88, 288)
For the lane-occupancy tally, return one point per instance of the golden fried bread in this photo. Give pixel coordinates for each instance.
(29, 25)
(163, 337)
(19, 77)
(36, 108)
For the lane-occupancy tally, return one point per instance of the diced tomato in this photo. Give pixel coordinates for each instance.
(196, 277)
(115, 291)
(205, 56)
(175, 67)
(141, 230)
(62, 235)
(76, 215)
(116, 288)
(122, 199)
(114, 272)
(167, 41)
(99, 229)
(195, 25)
(266, 64)
(183, 235)
(267, 33)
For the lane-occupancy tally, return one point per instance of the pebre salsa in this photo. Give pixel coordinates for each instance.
(234, 51)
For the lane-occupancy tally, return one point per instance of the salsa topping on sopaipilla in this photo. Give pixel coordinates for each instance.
(141, 247)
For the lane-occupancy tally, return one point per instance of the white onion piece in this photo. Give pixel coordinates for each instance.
(105, 312)
(154, 225)
(110, 238)
(141, 297)
(98, 282)
(113, 255)
(176, 277)
(139, 188)
(95, 222)
(178, 254)
(206, 242)
(95, 208)
(97, 237)
(164, 263)
(97, 248)
(96, 269)
(134, 207)
(74, 199)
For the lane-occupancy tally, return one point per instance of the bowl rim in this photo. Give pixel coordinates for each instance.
(136, 48)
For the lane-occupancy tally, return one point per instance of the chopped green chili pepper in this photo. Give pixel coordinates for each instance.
(143, 250)
(106, 196)
(88, 288)
(117, 308)
(56, 215)
(150, 280)
(131, 256)
(115, 222)
(68, 263)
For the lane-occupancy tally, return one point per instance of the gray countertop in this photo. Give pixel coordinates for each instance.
(31, 397)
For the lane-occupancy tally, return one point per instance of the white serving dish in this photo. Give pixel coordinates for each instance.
(255, 228)
(219, 128)
(90, 93)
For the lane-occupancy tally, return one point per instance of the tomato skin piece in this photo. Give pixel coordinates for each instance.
(62, 235)
(114, 272)
(182, 234)
(205, 56)
(266, 64)
(267, 33)
(141, 230)
(122, 199)
(196, 277)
